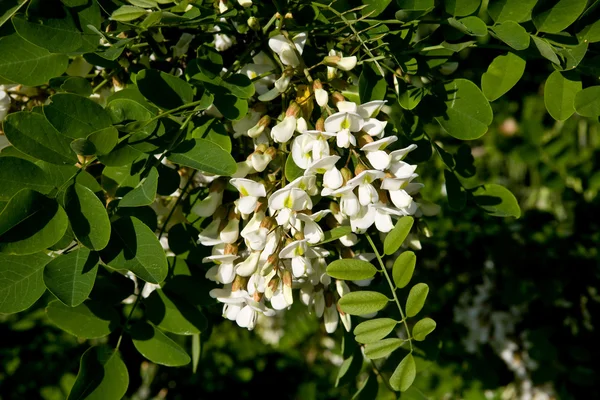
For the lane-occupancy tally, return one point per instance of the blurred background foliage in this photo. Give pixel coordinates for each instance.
(516, 300)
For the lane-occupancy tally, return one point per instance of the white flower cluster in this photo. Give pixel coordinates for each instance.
(265, 242)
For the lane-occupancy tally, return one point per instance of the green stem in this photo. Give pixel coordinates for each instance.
(392, 288)
(137, 300)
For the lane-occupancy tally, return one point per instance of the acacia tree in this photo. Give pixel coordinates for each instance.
(165, 158)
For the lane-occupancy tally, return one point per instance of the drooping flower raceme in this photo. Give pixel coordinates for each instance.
(301, 178)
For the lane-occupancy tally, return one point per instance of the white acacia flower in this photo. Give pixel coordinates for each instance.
(343, 63)
(207, 206)
(250, 192)
(332, 178)
(222, 41)
(224, 271)
(260, 161)
(300, 254)
(245, 3)
(370, 109)
(331, 318)
(288, 51)
(283, 131)
(302, 148)
(367, 193)
(321, 97)
(364, 219)
(292, 198)
(312, 231)
(375, 153)
(210, 235)
(243, 125)
(261, 65)
(349, 203)
(249, 265)
(231, 232)
(4, 104)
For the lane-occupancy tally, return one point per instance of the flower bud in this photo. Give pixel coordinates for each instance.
(254, 24)
(347, 253)
(337, 97)
(346, 174)
(363, 138)
(261, 148)
(271, 152)
(287, 278)
(217, 186)
(257, 296)
(343, 63)
(231, 248)
(260, 126)
(239, 283)
(245, 3)
(360, 168)
(320, 125)
(268, 222)
(328, 299)
(299, 235)
(293, 110)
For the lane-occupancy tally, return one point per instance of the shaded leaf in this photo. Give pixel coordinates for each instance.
(88, 217)
(21, 281)
(545, 49)
(502, 74)
(156, 346)
(510, 10)
(76, 116)
(89, 320)
(127, 13)
(102, 375)
(17, 173)
(461, 8)
(134, 247)
(70, 277)
(164, 90)
(497, 201)
(371, 85)
(173, 314)
(336, 233)
(559, 95)
(468, 113)
(32, 134)
(512, 34)
(28, 64)
(144, 193)
(553, 16)
(31, 222)
(457, 197)
(56, 32)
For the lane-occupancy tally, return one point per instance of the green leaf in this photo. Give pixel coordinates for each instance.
(382, 348)
(76, 116)
(403, 269)
(28, 64)
(553, 16)
(156, 346)
(511, 10)
(144, 193)
(83, 147)
(369, 389)
(587, 102)
(134, 247)
(88, 217)
(196, 350)
(371, 85)
(373, 330)
(17, 173)
(404, 375)
(416, 299)
(457, 197)
(135, 115)
(77, 85)
(351, 269)
(336, 233)
(8, 9)
(232, 108)
(503, 73)
(512, 34)
(409, 98)
(204, 155)
(472, 26)
(461, 8)
(104, 140)
(102, 375)
(423, 328)
(590, 33)
(545, 49)
(56, 33)
(415, 5)
(164, 90)
(573, 56)
(173, 314)
(497, 201)
(468, 113)
(237, 85)
(31, 222)
(70, 277)
(21, 281)
(144, 3)
(375, 7)
(396, 237)
(127, 13)
(89, 320)
(363, 302)
(559, 95)
(292, 171)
